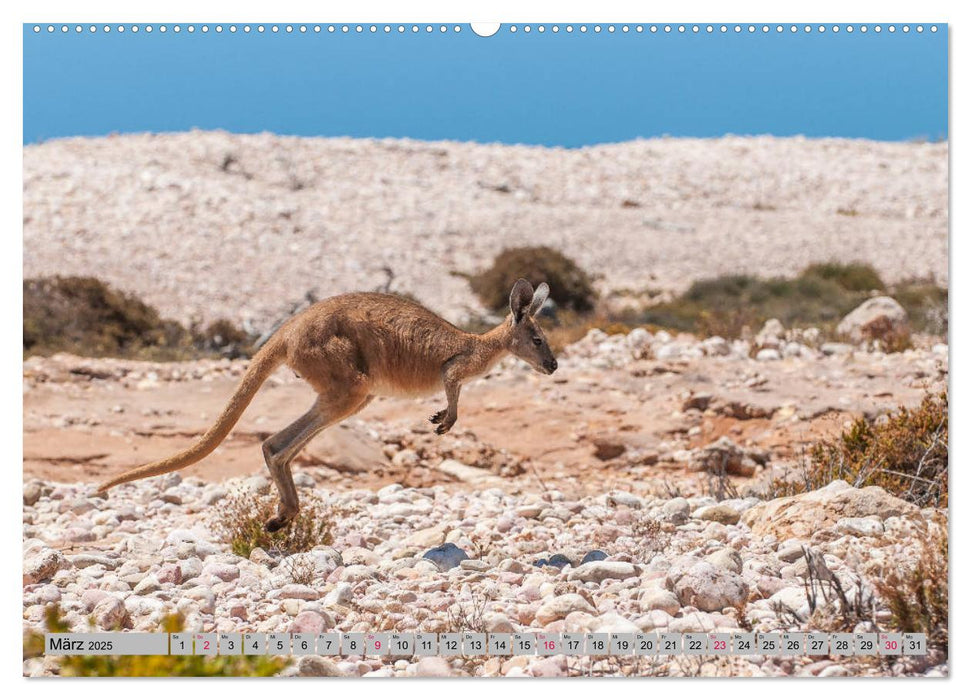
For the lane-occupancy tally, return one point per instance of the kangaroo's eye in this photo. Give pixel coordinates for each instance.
(537, 340)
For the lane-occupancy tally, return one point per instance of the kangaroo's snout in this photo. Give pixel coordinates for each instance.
(550, 366)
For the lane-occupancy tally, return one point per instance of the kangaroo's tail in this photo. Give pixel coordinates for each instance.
(269, 357)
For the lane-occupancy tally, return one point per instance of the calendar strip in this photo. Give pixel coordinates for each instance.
(418, 644)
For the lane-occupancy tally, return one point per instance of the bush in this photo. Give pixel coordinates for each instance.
(925, 303)
(83, 313)
(241, 516)
(906, 455)
(916, 591)
(727, 305)
(570, 287)
(732, 305)
(85, 316)
(855, 277)
(151, 666)
(223, 338)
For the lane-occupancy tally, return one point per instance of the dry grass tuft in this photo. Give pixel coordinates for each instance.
(834, 607)
(240, 517)
(916, 591)
(905, 453)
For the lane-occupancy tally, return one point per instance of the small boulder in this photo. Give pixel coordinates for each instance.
(110, 613)
(260, 556)
(598, 571)
(559, 607)
(311, 622)
(224, 572)
(433, 667)
(33, 491)
(497, 623)
(594, 555)
(771, 334)
(676, 511)
(298, 591)
(42, 565)
(727, 559)
(878, 318)
(559, 561)
(655, 598)
(718, 513)
(169, 573)
(710, 588)
(607, 449)
(446, 556)
(318, 667)
(768, 355)
(802, 515)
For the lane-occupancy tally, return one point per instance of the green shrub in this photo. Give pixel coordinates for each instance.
(570, 287)
(731, 304)
(855, 277)
(65, 313)
(727, 305)
(925, 303)
(85, 316)
(240, 518)
(906, 455)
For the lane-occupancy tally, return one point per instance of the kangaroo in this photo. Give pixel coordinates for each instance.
(353, 347)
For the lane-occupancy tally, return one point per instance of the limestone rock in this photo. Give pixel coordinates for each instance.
(318, 666)
(875, 319)
(710, 588)
(598, 571)
(802, 515)
(42, 565)
(559, 607)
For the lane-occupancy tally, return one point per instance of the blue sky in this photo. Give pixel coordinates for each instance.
(552, 89)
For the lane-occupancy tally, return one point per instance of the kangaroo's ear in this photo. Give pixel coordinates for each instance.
(539, 298)
(520, 298)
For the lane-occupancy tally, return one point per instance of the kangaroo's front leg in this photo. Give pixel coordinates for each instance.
(451, 377)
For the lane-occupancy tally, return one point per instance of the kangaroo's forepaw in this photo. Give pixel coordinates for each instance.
(444, 427)
(438, 417)
(277, 523)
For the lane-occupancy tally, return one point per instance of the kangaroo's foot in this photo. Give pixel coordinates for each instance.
(279, 522)
(439, 417)
(445, 425)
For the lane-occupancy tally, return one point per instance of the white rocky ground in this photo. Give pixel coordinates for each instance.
(210, 224)
(150, 550)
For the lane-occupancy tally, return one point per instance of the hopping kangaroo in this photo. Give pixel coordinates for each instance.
(353, 347)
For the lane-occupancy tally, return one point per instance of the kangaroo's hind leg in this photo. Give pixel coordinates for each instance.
(280, 449)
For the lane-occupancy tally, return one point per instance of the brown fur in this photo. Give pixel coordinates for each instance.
(353, 347)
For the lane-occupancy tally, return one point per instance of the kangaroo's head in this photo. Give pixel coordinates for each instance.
(526, 340)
